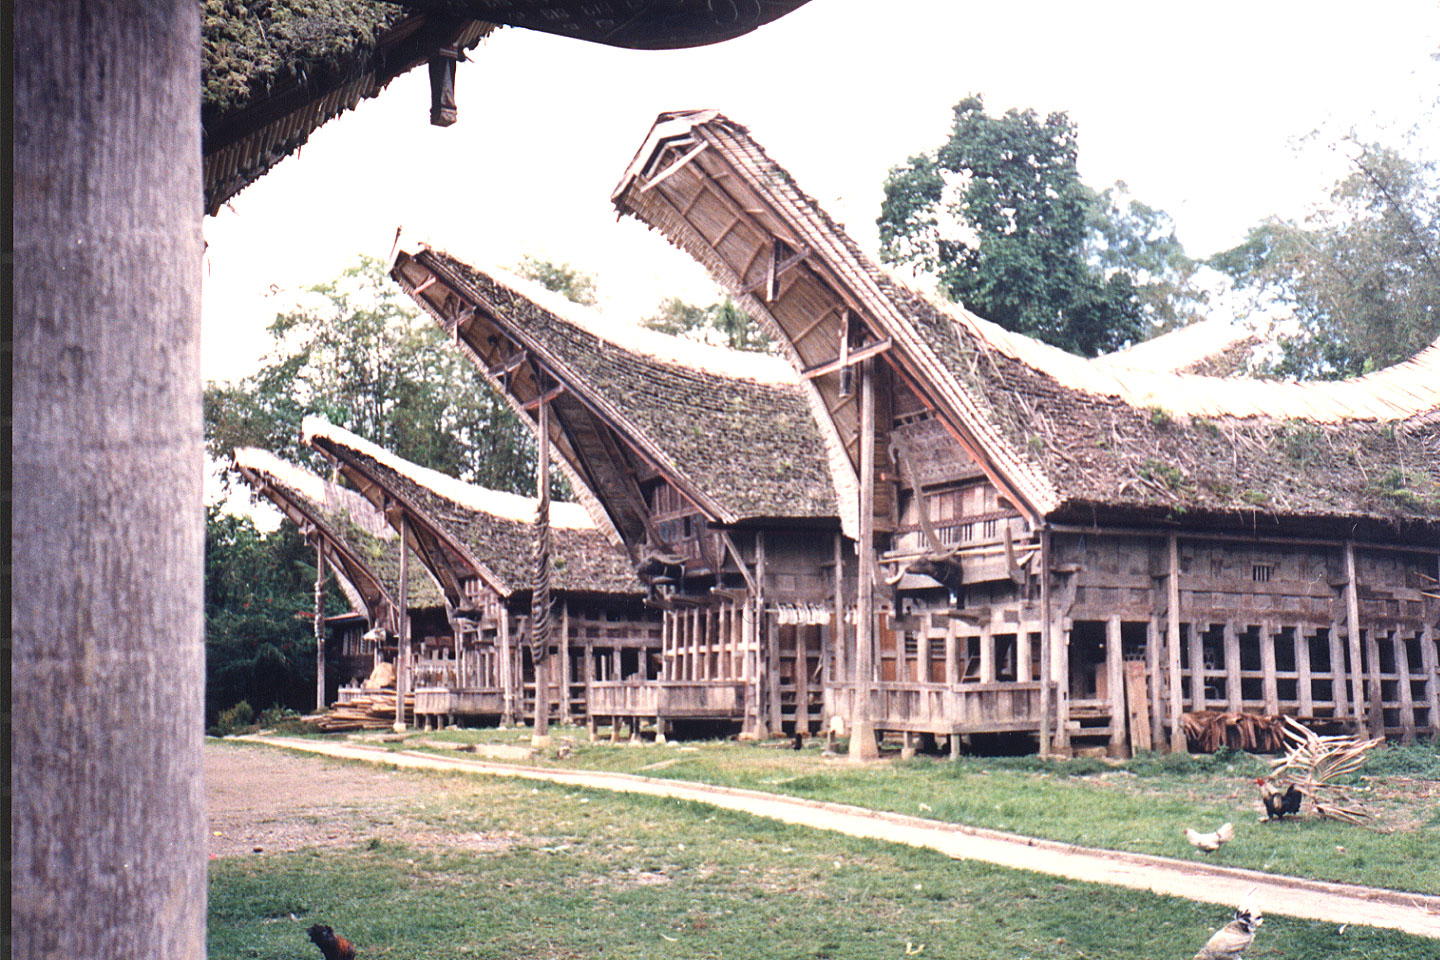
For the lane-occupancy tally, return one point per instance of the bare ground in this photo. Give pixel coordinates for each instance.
(261, 796)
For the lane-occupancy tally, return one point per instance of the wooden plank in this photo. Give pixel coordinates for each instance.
(1232, 668)
(674, 168)
(847, 359)
(1197, 668)
(1152, 671)
(1267, 668)
(1115, 681)
(1137, 698)
(802, 681)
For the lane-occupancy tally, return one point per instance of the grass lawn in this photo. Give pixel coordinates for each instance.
(1142, 805)
(477, 867)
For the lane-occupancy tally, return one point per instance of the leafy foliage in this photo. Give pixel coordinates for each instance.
(259, 639)
(570, 282)
(722, 324)
(1360, 276)
(360, 357)
(999, 216)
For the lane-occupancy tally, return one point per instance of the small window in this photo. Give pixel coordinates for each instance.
(1260, 572)
(992, 528)
(967, 532)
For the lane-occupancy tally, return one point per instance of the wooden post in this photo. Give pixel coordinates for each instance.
(319, 625)
(772, 659)
(1339, 691)
(1022, 653)
(952, 667)
(1352, 626)
(1270, 685)
(540, 611)
(862, 727)
(107, 620)
(1407, 697)
(1047, 642)
(1172, 643)
(1197, 668)
(1232, 668)
(1153, 645)
(507, 671)
(1115, 680)
(1429, 657)
(566, 668)
(1304, 684)
(402, 653)
(839, 649)
(987, 653)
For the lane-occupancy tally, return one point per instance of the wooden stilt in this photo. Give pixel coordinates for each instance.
(1232, 668)
(1115, 681)
(402, 667)
(1047, 642)
(1197, 667)
(1370, 721)
(1172, 643)
(1270, 687)
(862, 727)
(319, 625)
(1304, 681)
(1429, 657)
(1407, 697)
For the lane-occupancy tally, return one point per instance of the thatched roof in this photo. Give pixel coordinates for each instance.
(273, 72)
(1062, 436)
(734, 432)
(474, 531)
(359, 544)
(1212, 348)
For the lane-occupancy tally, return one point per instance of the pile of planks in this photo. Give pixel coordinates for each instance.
(1206, 731)
(373, 710)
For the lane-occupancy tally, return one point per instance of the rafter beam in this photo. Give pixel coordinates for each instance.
(848, 360)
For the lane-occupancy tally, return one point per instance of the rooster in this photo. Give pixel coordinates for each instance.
(1210, 842)
(1233, 939)
(1278, 805)
(334, 946)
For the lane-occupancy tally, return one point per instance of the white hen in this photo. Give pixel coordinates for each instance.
(1210, 842)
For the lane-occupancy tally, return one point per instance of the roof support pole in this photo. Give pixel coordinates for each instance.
(402, 659)
(319, 625)
(862, 727)
(1172, 641)
(540, 594)
(1357, 671)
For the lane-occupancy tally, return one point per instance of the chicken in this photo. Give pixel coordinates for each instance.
(1210, 842)
(1278, 805)
(334, 946)
(1233, 939)
(798, 742)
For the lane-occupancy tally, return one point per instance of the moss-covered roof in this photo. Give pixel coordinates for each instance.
(747, 442)
(1070, 435)
(487, 525)
(343, 517)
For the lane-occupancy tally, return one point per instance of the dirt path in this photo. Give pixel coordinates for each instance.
(1286, 896)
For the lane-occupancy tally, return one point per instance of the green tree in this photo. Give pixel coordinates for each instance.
(723, 324)
(999, 216)
(1360, 276)
(360, 357)
(570, 282)
(259, 604)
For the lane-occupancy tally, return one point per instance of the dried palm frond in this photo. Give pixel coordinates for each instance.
(1314, 763)
(1206, 731)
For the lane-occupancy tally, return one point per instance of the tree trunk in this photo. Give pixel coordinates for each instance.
(108, 531)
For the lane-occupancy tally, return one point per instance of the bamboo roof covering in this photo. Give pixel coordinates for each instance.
(463, 530)
(1057, 434)
(359, 544)
(733, 432)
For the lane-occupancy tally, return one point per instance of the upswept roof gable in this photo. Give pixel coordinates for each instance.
(1055, 431)
(732, 429)
(494, 529)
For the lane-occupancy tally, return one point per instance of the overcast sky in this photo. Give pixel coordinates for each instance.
(1195, 105)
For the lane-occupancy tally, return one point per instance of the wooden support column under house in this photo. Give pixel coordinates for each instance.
(1047, 643)
(1115, 683)
(507, 671)
(1232, 668)
(402, 658)
(1172, 642)
(862, 728)
(1270, 684)
(1365, 719)
(319, 625)
(540, 595)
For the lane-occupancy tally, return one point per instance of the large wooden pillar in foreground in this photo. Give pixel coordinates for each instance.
(108, 530)
(402, 648)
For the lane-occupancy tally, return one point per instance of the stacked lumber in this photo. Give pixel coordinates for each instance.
(372, 710)
(1206, 731)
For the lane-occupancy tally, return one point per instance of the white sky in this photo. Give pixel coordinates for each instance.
(1195, 105)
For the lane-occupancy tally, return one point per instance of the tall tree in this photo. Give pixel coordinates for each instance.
(1360, 276)
(359, 355)
(999, 216)
(107, 814)
(722, 324)
(570, 282)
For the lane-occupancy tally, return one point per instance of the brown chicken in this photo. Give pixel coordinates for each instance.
(334, 946)
(1233, 939)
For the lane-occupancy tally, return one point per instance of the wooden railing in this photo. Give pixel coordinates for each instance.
(624, 698)
(444, 701)
(939, 708)
(709, 699)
